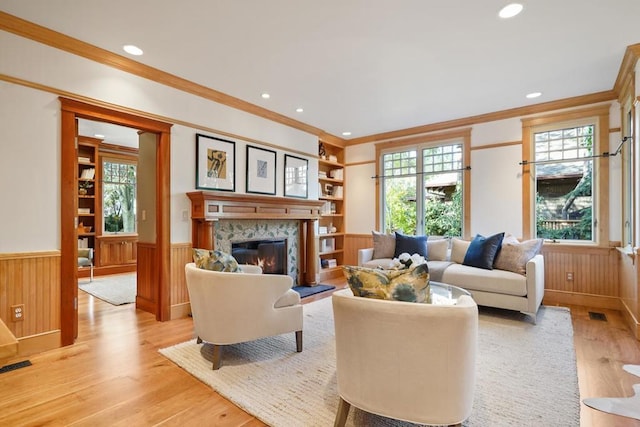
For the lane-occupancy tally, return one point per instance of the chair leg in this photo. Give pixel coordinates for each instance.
(217, 356)
(342, 414)
(91, 273)
(299, 341)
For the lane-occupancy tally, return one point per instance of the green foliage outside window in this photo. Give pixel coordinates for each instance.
(444, 218)
(119, 197)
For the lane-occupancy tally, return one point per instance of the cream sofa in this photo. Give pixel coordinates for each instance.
(492, 288)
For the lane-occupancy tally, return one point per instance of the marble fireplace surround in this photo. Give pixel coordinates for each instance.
(219, 218)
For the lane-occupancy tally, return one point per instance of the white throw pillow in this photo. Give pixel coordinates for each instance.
(459, 250)
(437, 249)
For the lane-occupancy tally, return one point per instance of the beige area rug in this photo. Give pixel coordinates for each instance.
(116, 289)
(526, 373)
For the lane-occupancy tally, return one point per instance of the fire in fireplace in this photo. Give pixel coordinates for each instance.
(271, 255)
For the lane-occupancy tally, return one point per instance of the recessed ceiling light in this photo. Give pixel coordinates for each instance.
(265, 95)
(299, 110)
(132, 50)
(346, 133)
(99, 135)
(510, 10)
(533, 95)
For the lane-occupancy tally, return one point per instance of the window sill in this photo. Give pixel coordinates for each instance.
(628, 251)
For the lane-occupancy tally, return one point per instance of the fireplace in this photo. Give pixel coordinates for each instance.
(220, 218)
(270, 255)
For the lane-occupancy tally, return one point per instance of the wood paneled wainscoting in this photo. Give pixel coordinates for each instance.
(629, 290)
(33, 280)
(180, 256)
(147, 297)
(581, 275)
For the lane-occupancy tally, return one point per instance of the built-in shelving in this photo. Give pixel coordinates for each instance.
(331, 186)
(87, 177)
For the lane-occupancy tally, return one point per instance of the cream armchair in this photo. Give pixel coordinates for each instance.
(230, 308)
(407, 361)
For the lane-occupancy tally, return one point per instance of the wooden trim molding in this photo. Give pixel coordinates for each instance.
(497, 145)
(57, 40)
(631, 57)
(544, 107)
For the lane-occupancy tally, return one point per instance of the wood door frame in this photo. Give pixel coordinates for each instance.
(70, 111)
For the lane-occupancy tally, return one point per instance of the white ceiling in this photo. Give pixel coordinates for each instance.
(365, 66)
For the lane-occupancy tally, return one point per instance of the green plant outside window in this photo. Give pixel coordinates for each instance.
(118, 197)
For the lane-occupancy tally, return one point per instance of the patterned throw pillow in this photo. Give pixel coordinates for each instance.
(409, 285)
(514, 255)
(215, 260)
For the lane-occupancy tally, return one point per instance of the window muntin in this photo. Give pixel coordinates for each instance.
(423, 182)
(118, 196)
(442, 181)
(564, 183)
(399, 191)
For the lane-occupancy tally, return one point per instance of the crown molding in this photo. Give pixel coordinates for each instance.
(490, 117)
(57, 40)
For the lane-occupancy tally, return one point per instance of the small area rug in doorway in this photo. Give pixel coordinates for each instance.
(307, 291)
(526, 373)
(116, 289)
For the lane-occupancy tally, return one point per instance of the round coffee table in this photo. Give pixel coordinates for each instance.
(443, 294)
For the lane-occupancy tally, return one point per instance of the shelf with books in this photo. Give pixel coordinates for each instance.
(87, 200)
(331, 232)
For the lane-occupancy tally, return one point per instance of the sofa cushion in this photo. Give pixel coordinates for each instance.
(384, 245)
(215, 260)
(483, 250)
(514, 255)
(410, 245)
(493, 281)
(409, 285)
(437, 249)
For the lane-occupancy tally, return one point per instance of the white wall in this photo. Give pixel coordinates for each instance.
(29, 170)
(30, 137)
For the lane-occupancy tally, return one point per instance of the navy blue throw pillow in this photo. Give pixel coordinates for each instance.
(483, 250)
(411, 245)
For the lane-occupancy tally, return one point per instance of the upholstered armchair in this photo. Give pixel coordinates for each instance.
(230, 308)
(408, 361)
(85, 259)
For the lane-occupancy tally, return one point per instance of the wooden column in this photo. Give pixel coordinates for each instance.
(311, 259)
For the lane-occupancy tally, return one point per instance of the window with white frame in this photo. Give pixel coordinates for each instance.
(564, 182)
(422, 189)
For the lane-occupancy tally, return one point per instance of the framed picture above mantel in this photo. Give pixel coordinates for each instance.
(215, 163)
(261, 170)
(296, 182)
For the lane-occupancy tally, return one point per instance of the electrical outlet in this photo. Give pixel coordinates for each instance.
(17, 313)
(569, 276)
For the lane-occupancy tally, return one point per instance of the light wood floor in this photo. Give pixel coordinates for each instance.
(114, 375)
